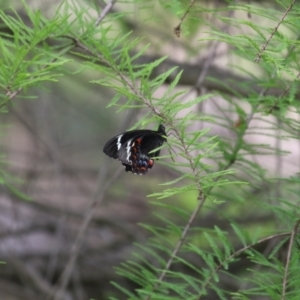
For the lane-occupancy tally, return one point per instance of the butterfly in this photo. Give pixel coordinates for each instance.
(132, 148)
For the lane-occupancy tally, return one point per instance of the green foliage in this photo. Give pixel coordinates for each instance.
(182, 259)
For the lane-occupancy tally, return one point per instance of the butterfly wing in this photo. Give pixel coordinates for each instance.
(117, 145)
(111, 147)
(132, 148)
(151, 142)
(135, 154)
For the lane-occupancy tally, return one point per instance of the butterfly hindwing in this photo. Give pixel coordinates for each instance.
(132, 148)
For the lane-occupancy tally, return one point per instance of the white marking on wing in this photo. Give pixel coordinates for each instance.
(119, 142)
(128, 150)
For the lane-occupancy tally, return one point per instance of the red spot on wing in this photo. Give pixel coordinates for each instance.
(150, 163)
(139, 140)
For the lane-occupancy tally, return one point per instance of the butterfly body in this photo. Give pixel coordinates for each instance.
(132, 148)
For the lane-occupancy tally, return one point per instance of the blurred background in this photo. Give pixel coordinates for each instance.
(52, 147)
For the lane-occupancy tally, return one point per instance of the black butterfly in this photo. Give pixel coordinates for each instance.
(132, 148)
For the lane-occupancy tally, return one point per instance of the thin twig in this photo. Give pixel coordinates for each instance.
(259, 54)
(125, 80)
(95, 200)
(31, 277)
(177, 29)
(105, 11)
(288, 258)
(12, 94)
(201, 199)
(274, 106)
(238, 252)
